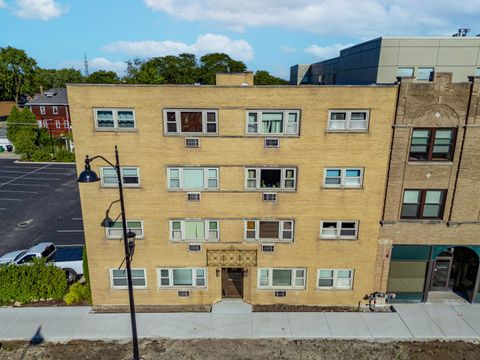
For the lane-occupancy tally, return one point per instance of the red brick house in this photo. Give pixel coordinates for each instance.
(52, 111)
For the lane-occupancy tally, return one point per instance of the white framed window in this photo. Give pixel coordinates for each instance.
(405, 71)
(281, 278)
(57, 124)
(270, 178)
(42, 110)
(130, 177)
(55, 110)
(115, 229)
(39, 123)
(348, 120)
(190, 121)
(273, 122)
(182, 277)
(66, 124)
(343, 177)
(45, 123)
(338, 229)
(192, 178)
(335, 278)
(114, 118)
(269, 230)
(118, 278)
(194, 230)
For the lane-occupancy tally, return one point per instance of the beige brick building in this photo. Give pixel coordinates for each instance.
(269, 193)
(429, 239)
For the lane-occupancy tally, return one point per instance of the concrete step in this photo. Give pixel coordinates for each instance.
(232, 306)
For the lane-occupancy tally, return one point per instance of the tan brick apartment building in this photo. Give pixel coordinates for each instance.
(429, 239)
(269, 193)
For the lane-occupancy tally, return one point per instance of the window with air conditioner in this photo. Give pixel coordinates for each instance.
(269, 230)
(273, 122)
(194, 230)
(190, 121)
(192, 178)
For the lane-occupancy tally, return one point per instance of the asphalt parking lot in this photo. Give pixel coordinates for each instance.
(38, 202)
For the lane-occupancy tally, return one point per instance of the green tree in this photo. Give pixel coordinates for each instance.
(263, 77)
(211, 64)
(103, 77)
(53, 78)
(22, 131)
(17, 73)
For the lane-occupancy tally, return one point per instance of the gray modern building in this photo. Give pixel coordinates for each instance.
(382, 60)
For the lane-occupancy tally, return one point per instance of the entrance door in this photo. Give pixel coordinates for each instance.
(441, 274)
(232, 283)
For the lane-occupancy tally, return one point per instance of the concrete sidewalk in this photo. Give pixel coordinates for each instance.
(410, 322)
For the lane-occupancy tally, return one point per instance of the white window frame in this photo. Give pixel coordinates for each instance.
(343, 177)
(45, 123)
(66, 124)
(258, 176)
(170, 278)
(270, 285)
(112, 286)
(116, 237)
(102, 183)
(55, 110)
(40, 123)
(42, 110)
(115, 119)
(259, 113)
(338, 229)
(335, 279)
(58, 124)
(257, 230)
(179, 125)
(205, 178)
(183, 232)
(348, 120)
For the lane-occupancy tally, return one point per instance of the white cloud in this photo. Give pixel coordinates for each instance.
(366, 18)
(3, 4)
(208, 43)
(38, 9)
(325, 52)
(95, 64)
(288, 49)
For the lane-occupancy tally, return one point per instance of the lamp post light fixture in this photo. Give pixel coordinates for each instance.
(88, 176)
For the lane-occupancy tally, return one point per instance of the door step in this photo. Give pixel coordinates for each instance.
(231, 306)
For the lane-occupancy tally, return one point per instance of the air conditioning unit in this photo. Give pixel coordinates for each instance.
(192, 142)
(194, 247)
(268, 248)
(280, 293)
(193, 196)
(272, 143)
(183, 293)
(269, 196)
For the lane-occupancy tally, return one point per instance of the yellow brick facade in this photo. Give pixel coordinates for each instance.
(231, 151)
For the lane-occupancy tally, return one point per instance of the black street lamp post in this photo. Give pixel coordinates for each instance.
(87, 176)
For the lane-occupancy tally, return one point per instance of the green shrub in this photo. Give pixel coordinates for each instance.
(65, 156)
(36, 281)
(77, 294)
(42, 154)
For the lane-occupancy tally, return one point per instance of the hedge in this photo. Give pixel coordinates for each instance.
(35, 281)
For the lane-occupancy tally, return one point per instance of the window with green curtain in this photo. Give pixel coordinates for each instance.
(194, 229)
(281, 277)
(182, 277)
(272, 122)
(193, 178)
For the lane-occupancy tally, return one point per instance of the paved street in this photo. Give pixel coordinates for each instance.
(410, 322)
(38, 202)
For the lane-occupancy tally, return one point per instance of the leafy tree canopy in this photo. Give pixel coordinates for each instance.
(211, 64)
(263, 77)
(17, 73)
(103, 77)
(53, 78)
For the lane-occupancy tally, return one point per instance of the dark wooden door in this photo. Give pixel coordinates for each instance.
(441, 274)
(232, 282)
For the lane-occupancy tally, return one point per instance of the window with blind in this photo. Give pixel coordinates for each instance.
(130, 177)
(273, 122)
(194, 230)
(190, 121)
(279, 278)
(348, 120)
(106, 119)
(192, 178)
(118, 278)
(115, 229)
(182, 277)
(269, 230)
(335, 278)
(433, 144)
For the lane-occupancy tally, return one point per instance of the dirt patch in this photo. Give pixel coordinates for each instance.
(210, 349)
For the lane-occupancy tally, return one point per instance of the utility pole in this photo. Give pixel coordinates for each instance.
(85, 64)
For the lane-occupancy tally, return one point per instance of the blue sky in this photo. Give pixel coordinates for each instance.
(266, 34)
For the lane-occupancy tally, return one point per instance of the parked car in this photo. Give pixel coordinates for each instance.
(67, 258)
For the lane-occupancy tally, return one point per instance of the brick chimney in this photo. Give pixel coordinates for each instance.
(234, 79)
